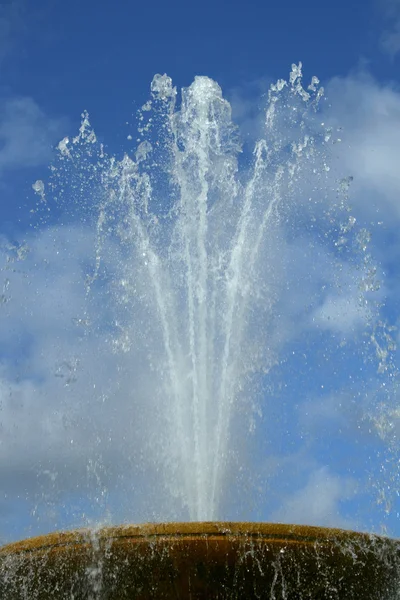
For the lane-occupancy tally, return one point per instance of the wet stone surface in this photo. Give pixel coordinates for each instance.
(201, 560)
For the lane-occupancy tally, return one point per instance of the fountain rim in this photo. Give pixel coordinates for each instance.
(263, 532)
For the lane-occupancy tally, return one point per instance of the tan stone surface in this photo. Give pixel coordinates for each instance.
(302, 534)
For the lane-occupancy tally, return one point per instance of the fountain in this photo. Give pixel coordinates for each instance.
(202, 560)
(192, 253)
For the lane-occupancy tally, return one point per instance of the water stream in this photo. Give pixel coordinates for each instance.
(234, 299)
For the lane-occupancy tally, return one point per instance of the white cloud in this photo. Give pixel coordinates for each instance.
(369, 113)
(319, 501)
(363, 118)
(26, 133)
(245, 111)
(390, 39)
(342, 314)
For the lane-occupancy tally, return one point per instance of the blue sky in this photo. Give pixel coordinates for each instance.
(324, 459)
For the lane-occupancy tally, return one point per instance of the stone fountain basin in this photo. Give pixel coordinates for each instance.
(201, 560)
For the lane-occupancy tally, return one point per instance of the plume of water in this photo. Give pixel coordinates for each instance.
(190, 246)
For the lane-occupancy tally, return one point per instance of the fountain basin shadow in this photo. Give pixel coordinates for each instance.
(201, 560)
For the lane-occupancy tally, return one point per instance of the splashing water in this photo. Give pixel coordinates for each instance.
(195, 250)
